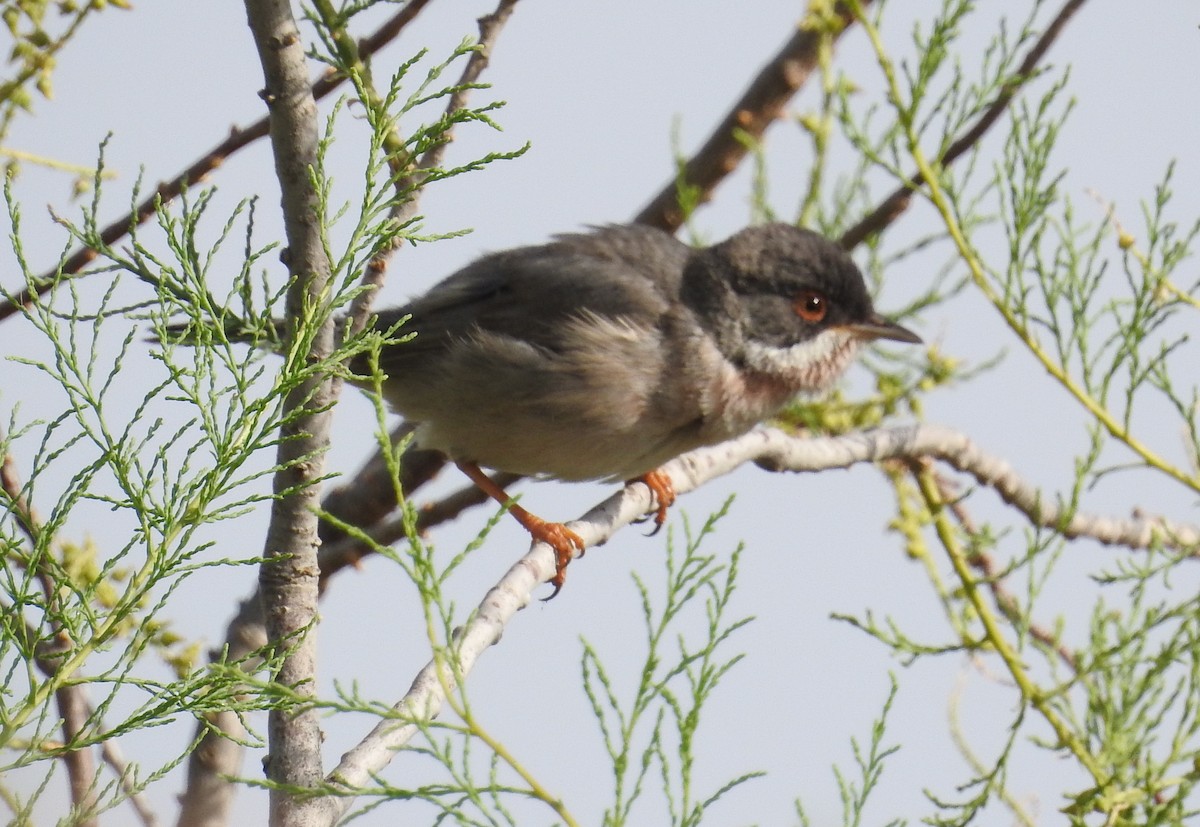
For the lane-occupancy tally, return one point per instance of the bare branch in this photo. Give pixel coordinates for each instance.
(759, 106)
(783, 453)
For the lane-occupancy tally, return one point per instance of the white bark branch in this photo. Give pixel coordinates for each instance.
(771, 449)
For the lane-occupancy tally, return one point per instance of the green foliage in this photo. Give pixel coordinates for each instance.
(1120, 700)
(169, 455)
(870, 765)
(656, 728)
(39, 30)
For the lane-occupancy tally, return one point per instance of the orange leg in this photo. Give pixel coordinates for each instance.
(664, 494)
(563, 540)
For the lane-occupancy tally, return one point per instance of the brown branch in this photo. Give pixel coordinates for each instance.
(238, 138)
(348, 551)
(490, 26)
(18, 505)
(759, 106)
(895, 204)
(373, 42)
(208, 793)
(74, 709)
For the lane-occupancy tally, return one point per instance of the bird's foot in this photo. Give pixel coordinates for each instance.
(663, 491)
(561, 539)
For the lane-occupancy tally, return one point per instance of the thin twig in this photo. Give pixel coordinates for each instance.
(489, 30)
(759, 106)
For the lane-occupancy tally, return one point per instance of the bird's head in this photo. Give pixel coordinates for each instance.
(786, 304)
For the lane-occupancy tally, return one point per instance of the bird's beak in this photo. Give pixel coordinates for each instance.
(877, 327)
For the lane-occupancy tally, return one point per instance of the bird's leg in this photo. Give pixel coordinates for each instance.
(563, 540)
(663, 491)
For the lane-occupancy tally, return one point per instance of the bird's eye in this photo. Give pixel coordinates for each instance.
(810, 306)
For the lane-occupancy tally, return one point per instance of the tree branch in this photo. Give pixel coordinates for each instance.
(347, 551)
(288, 575)
(783, 453)
(74, 707)
(489, 30)
(759, 106)
(208, 794)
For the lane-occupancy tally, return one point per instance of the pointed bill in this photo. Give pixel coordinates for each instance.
(877, 327)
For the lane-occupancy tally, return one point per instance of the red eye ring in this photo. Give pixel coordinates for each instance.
(810, 306)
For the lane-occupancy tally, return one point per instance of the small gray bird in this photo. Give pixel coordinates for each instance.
(603, 355)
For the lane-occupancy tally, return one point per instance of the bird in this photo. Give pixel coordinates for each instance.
(604, 354)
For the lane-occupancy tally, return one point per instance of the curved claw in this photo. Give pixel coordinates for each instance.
(663, 491)
(565, 543)
(563, 540)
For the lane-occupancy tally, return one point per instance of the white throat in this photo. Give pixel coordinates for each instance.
(808, 366)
